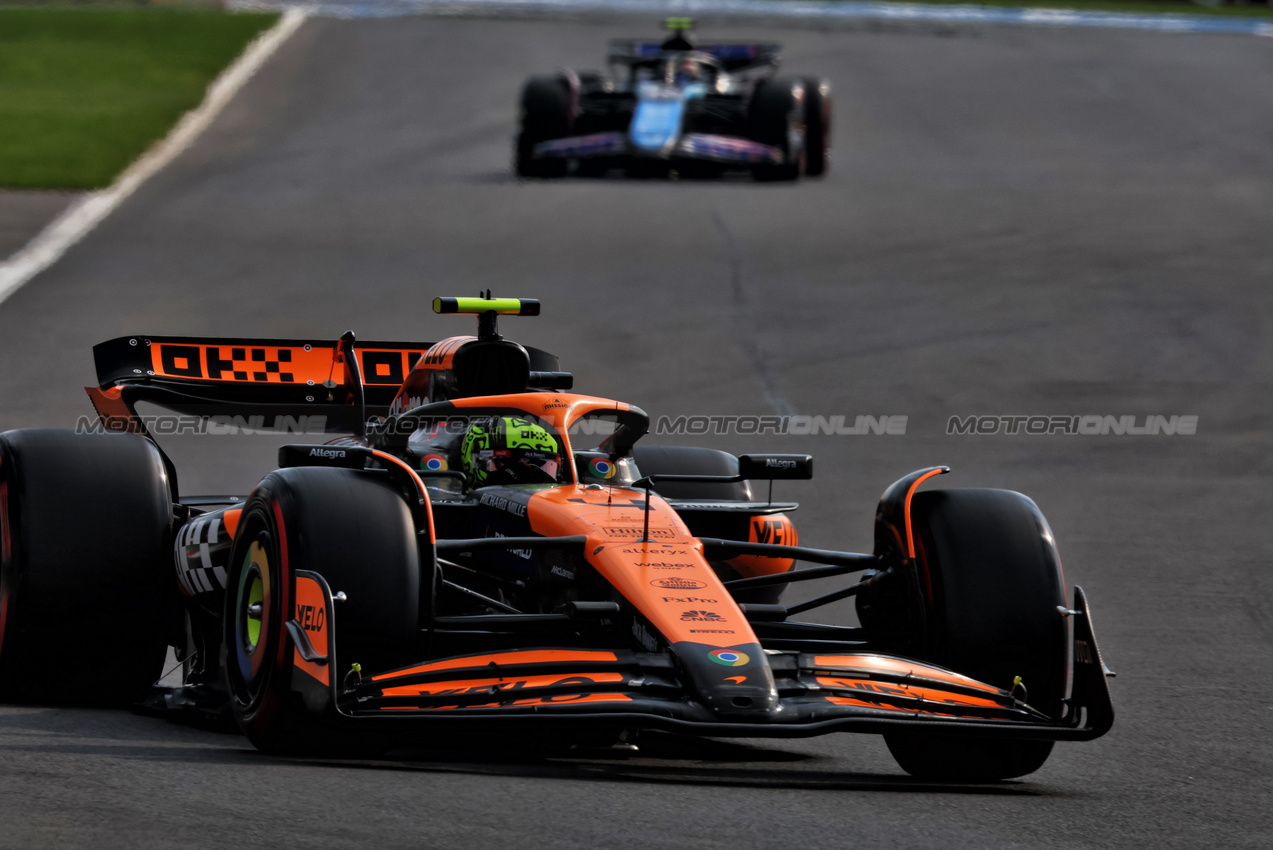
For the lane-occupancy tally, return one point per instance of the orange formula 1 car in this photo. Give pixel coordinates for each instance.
(491, 551)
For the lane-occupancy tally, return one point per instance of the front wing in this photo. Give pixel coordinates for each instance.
(700, 146)
(818, 692)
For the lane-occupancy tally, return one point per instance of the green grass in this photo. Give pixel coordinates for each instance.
(84, 91)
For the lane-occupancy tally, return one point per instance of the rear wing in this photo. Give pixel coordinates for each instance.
(263, 384)
(733, 57)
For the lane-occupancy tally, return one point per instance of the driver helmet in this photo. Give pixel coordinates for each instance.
(509, 450)
(689, 70)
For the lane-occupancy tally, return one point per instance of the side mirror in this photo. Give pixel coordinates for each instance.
(775, 467)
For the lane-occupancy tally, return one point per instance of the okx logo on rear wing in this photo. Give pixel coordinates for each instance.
(257, 381)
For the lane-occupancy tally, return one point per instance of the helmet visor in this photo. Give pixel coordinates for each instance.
(519, 466)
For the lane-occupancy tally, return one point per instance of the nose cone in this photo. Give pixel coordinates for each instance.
(656, 123)
(735, 683)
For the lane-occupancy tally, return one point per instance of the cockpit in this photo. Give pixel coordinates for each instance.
(458, 450)
(676, 68)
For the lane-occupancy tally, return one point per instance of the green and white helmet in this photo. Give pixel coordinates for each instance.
(509, 450)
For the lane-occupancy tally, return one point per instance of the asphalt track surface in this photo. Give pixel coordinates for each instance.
(1018, 221)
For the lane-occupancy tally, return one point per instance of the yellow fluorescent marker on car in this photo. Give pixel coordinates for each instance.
(503, 306)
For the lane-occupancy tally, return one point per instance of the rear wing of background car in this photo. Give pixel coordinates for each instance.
(733, 57)
(260, 382)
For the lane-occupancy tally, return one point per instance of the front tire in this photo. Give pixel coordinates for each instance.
(776, 115)
(817, 126)
(87, 597)
(357, 533)
(545, 114)
(991, 580)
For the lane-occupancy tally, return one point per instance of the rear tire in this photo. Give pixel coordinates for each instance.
(817, 126)
(691, 460)
(357, 533)
(87, 597)
(774, 113)
(991, 580)
(545, 115)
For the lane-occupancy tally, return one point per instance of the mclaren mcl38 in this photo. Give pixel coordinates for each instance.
(479, 547)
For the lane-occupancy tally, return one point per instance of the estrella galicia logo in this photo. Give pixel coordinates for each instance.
(677, 583)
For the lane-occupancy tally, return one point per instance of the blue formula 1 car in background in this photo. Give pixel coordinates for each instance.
(673, 106)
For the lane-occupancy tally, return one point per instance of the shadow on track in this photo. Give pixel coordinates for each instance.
(662, 757)
(702, 762)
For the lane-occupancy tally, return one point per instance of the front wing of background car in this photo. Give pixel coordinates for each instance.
(818, 691)
(700, 146)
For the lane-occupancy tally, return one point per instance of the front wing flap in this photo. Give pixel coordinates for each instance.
(703, 146)
(818, 692)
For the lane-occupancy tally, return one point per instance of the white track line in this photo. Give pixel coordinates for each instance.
(82, 216)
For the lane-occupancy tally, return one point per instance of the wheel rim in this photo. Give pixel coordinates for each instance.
(256, 593)
(253, 615)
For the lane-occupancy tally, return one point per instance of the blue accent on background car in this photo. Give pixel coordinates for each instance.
(660, 109)
(731, 51)
(649, 49)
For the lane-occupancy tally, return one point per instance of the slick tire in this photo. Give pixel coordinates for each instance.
(691, 460)
(354, 530)
(992, 583)
(545, 113)
(775, 114)
(87, 595)
(817, 126)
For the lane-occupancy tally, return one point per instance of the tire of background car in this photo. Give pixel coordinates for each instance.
(775, 106)
(691, 460)
(88, 600)
(991, 580)
(545, 114)
(817, 126)
(356, 531)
